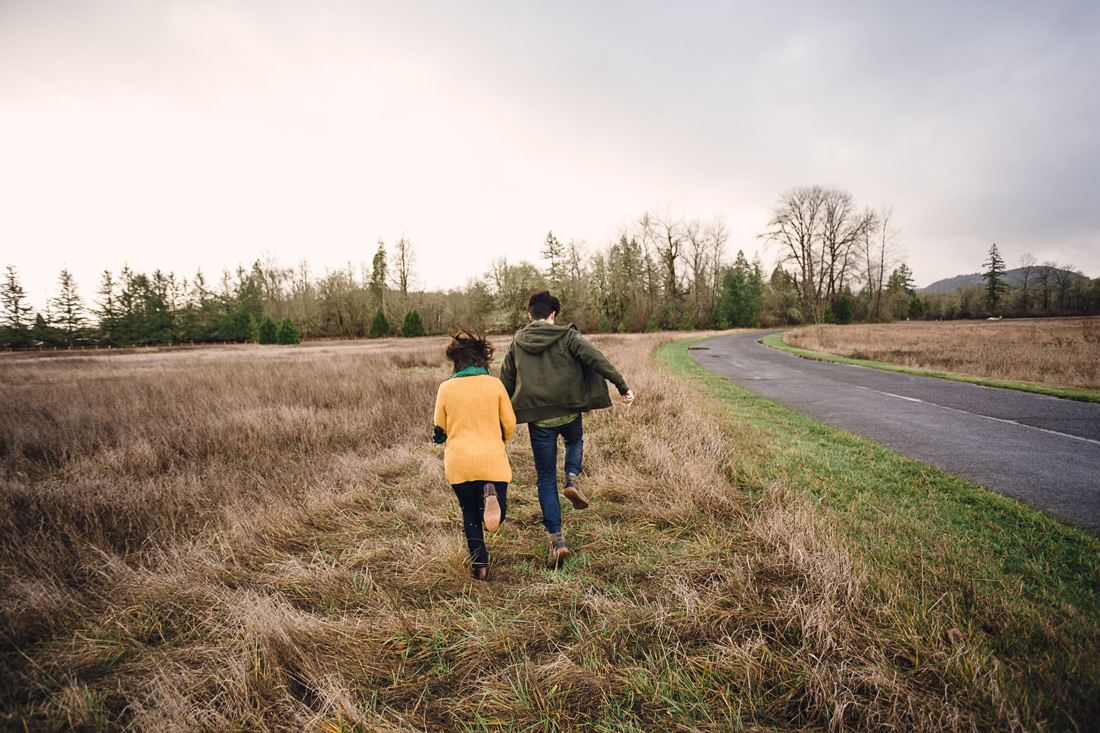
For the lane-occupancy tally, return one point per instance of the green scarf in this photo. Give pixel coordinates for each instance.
(470, 371)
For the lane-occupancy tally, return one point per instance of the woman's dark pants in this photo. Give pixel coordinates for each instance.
(472, 500)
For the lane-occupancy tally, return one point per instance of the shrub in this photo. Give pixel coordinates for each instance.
(380, 326)
(288, 332)
(227, 330)
(844, 310)
(413, 325)
(268, 332)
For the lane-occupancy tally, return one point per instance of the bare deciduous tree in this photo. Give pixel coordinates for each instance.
(1063, 277)
(794, 229)
(717, 234)
(1027, 269)
(1044, 274)
(401, 265)
(706, 244)
(665, 234)
(842, 227)
(880, 250)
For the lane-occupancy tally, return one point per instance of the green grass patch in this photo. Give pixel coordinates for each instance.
(775, 341)
(1017, 590)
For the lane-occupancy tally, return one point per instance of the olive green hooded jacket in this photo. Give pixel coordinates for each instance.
(551, 371)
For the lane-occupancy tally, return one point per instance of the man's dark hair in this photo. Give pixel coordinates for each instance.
(541, 304)
(468, 348)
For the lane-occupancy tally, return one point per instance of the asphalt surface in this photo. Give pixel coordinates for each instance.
(1042, 451)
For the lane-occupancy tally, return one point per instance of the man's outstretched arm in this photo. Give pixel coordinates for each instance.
(595, 360)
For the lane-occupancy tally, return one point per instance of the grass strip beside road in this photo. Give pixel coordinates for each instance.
(1015, 591)
(775, 341)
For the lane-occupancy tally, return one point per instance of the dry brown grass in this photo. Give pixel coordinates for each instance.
(1056, 352)
(263, 539)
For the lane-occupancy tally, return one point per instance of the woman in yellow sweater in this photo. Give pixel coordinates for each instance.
(474, 419)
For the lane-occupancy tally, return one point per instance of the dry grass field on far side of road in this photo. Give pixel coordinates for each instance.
(1055, 352)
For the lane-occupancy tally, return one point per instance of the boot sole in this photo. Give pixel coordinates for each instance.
(557, 557)
(575, 496)
(491, 516)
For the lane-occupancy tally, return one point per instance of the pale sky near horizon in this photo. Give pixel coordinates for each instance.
(187, 134)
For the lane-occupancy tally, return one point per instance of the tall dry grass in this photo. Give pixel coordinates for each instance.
(263, 539)
(1056, 352)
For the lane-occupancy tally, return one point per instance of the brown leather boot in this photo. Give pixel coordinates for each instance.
(490, 518)
(558, 552)
(573, 492)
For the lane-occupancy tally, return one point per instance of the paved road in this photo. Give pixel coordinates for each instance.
(1040, 450)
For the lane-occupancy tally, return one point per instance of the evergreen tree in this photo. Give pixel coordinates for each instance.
(268, 333)
(900, 291)
(253, 329)
(378, 277)
(157, 306)
(227, 331)
(288, 332)
(413, 325)
(380, 326)
(843, 313)
(143, 309)
(69, 308)
(108, 309)
(553, 251)
(44, 334)
(901, 280)
(16, 313)
(248, 299)
(995, 285)
(741, 296)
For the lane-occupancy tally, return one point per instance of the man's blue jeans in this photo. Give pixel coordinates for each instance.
(544, 444)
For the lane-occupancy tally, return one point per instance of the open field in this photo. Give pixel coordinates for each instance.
(262, 538)
(1057, 352)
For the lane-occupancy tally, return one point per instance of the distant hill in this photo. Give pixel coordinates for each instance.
(1013, 277)
(949, 284)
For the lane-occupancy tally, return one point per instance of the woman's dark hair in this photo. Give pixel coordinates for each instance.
(468, 348)
(541, 304)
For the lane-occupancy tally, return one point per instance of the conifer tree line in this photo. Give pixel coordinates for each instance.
(836, 263)
(1031, 289)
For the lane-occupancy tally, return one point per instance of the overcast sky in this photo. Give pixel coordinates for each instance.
(186, 134)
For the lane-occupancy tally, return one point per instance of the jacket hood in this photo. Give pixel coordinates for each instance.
(538, 336)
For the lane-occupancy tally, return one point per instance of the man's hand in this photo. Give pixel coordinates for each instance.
(628, 397)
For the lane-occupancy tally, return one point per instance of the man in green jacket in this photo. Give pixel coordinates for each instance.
(553, 374)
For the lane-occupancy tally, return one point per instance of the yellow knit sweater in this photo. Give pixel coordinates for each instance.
(477, 417)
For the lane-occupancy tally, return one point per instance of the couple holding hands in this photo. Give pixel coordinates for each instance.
(550, 376)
